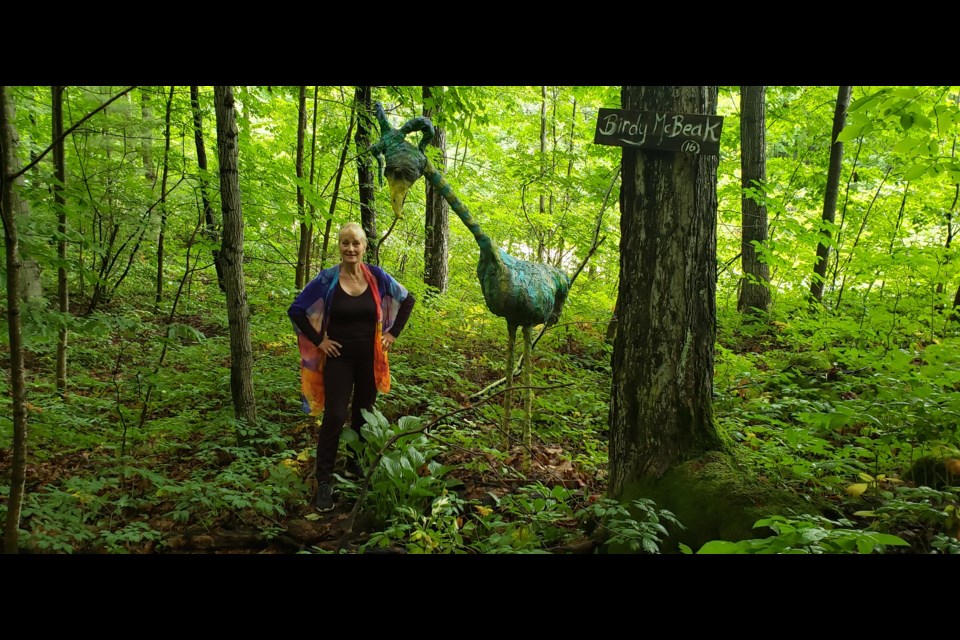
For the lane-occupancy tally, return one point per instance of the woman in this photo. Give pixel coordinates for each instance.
(346, 320)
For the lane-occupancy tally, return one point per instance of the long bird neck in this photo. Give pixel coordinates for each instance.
(435, 178)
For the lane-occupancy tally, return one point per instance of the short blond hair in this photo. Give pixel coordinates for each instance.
(352, 228)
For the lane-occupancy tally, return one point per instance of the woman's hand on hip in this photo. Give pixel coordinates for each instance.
(330, 347)
(386, 340)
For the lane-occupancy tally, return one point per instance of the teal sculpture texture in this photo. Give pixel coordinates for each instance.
(525, 294)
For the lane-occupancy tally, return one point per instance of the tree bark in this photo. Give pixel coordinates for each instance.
(163, 201)
(59, 172)
(30, 286)
(303, 252)
(308, 267)
(844, 95)
(755, 283)
(146, 135)
(660, 411)
(210, 232)
(336, 187)
(231, 251)
(9, 204)
(436, 245)
(368, 212)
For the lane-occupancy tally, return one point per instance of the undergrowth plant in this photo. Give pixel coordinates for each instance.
(806, 534)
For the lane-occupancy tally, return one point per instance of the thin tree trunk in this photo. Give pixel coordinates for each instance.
(163, 201)
(436, 245)
(210, 231)
(238, 310)
(59, 172)
(755, 283)
(368, 212)
(304, 249)
(146, 136)
(308, 267)
(9, 164)
(543, 171)
(338, 177)
(661, 402)
(856, 241)
(844, 95)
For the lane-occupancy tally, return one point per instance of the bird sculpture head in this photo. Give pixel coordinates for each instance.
(401, 162)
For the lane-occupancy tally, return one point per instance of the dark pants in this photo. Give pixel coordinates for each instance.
(352, 370)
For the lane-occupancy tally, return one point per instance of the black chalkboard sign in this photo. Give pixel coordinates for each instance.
(686, 132)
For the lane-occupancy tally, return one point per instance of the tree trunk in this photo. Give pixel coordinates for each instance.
(238, 311)
(146, 135)
(308, 267)
(338, 178)
(30, 285)
(436, 245)
(660, 411)
(844, 95)
(541, 235)
(163, 201)
(210, 232)
(755, 283)
(59, 172)
(9, 205)
(303, 252)
(368, 212)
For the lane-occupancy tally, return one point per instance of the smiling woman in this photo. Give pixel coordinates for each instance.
(346, 320)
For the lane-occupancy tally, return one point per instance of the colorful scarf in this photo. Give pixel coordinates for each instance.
(387, 296)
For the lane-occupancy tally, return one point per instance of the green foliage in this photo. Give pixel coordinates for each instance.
(636, 527)
(931, 513)
(406, 477)
(818, 399)
(806, 535)
(435, 531)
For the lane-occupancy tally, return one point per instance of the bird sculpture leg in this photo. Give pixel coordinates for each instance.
(528, 393)
(508, 393)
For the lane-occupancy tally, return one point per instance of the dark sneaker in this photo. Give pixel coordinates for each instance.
(323, 499)
(353, 470)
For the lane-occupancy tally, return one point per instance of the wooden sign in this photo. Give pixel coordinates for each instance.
(686, 132)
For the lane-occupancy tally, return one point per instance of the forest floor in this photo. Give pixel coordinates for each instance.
(301, 530)
(346, 527)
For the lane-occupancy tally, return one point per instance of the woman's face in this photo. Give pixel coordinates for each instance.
(351, 248)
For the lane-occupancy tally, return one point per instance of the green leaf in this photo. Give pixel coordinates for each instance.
(716, 547)
(852, 132)
(888, 539)
(906, 145)
(915, 171)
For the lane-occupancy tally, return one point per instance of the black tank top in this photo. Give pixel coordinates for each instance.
(353, 319)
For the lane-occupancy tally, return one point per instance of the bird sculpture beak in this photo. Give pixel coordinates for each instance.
(398, 194)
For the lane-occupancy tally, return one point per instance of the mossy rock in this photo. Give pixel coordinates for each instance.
(714, 499)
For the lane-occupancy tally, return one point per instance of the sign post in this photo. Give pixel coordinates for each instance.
(684, 132)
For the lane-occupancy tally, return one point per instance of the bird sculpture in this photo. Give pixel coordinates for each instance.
(525, 294)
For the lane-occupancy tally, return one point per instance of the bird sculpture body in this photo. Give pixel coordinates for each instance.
(525, 294)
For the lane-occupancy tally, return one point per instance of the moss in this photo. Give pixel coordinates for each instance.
(714, 499)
